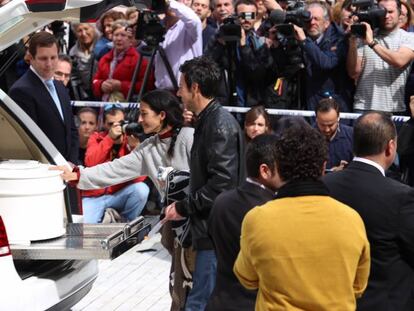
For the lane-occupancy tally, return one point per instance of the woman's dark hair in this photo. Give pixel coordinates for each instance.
(162, 100)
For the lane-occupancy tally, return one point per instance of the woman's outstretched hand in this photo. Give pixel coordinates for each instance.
(67, 174)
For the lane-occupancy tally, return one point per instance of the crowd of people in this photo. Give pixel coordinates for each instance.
(258, 212)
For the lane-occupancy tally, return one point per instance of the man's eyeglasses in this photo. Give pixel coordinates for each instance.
(112, 106)
(62, 74)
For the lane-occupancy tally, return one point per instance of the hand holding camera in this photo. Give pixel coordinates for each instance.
(115, 132)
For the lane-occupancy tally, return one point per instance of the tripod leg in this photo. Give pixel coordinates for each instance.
(134, 78)
(169, 69)
(146, 75)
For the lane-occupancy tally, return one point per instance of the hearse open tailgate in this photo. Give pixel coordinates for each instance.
(87, 241)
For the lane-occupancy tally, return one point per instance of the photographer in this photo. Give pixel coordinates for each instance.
(236, 49)
(324, 54)
(127, 198)
(380, 63)
(183, 41)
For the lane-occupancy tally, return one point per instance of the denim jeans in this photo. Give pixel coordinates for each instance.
(128, 202)
(204, 280)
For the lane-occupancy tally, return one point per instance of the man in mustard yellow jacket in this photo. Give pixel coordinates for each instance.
(304, 250)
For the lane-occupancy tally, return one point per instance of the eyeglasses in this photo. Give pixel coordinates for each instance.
(112, 106)
(62, 74)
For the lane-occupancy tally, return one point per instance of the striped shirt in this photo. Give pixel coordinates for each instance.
(381, 85)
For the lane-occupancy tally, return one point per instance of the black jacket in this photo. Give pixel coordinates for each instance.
(225, 223)
(248, 65)
(217, 164)
(387, 209)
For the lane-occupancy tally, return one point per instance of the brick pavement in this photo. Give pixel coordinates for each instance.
(133, 281)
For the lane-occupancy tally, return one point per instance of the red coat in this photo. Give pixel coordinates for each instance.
(123, 72)
(99, 151)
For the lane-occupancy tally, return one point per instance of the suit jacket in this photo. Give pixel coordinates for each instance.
(387, 209)
(225, 222)
(32, 96)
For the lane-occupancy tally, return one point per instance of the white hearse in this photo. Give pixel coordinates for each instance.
(47, 262)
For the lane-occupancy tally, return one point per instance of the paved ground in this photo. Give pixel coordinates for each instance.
(134, 281)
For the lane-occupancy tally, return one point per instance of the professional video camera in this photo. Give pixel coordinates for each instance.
(285, 34)
(369, 12)
(149, 27)
(230, 30)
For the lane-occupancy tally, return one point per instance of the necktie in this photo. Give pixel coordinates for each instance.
(53, 93)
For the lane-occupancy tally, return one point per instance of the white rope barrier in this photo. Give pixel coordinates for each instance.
(279, 112)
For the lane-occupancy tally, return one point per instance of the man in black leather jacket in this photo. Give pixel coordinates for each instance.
(217, 164)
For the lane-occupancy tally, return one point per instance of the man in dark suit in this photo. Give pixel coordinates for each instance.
(387, 209)
(226, 218)
(46, 100)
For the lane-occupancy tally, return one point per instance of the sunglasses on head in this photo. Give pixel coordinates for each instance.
(112, 106)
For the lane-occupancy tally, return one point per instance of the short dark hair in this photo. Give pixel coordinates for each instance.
(203, 71)
(261, 150)
(372, 132)
(65, 58)
(300, 154)
(287, 122)
(326, 104)
(245, 2)
(40, 40)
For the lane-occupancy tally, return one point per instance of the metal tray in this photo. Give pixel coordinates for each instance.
(86, 241)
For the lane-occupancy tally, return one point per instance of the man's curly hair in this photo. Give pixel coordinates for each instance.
(300, 154)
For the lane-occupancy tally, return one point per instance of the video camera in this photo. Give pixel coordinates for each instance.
(149, 27)
(230, 30)
(369, 12)
(285, 33)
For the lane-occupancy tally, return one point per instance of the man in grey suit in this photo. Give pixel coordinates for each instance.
(387, 209)
(46, 100)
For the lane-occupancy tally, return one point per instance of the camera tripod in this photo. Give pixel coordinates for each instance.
(231, 52)
(153, 52)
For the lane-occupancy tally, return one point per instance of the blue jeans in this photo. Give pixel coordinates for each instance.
(204, 280)
(128, 202)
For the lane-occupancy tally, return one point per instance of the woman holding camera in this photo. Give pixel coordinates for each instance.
(162, 115)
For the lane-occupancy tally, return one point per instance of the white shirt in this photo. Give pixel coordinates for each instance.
(370, 162)
(183, 41)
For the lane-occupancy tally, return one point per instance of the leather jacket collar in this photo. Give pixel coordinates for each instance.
(210, 107)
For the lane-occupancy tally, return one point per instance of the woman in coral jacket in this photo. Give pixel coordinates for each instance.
(112, 80)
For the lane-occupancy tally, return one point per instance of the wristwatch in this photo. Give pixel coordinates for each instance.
(373, 43)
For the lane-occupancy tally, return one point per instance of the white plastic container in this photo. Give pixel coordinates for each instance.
(31, 201)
